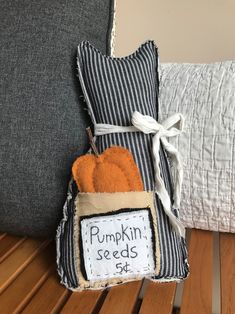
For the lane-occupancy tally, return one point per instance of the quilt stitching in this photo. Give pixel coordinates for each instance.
(205, 95)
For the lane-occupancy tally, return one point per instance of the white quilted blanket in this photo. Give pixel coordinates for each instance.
(205, 95)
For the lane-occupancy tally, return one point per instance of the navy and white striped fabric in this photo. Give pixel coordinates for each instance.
(113, 89)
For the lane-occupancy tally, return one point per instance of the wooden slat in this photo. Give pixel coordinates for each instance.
(21, 290)
(122, 299)
(158, 298)
(8, 244)
(49, 297)
(227, 272)
(18, 260)
(82, 302)
(2, 235)
(197, 293)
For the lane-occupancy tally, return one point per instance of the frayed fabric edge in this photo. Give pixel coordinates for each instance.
(163, 280)
(59, 234)
(113, 30)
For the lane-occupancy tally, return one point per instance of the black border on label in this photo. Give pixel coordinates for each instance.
(110, 213)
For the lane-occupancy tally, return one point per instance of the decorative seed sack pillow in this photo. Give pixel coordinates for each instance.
(205, 95)
(121, 215)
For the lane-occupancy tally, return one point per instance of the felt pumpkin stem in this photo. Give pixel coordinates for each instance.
(91, 140)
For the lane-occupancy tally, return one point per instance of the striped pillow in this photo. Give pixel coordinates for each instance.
(113, 89)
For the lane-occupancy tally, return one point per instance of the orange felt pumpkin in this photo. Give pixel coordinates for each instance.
(112, 171)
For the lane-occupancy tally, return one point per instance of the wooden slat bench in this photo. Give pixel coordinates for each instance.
(29, 282)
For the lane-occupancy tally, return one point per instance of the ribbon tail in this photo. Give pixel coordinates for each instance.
(175, 157)
(175, 222)
(162, 193)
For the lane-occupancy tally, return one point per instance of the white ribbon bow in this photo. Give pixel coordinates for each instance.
(172, 126)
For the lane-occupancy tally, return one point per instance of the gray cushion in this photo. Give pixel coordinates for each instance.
(42, 118)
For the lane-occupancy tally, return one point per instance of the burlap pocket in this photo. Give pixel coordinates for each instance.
(115, 238)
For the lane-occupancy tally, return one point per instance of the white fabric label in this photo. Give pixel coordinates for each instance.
(118, 245)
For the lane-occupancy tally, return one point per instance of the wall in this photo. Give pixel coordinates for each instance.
(184, 30)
